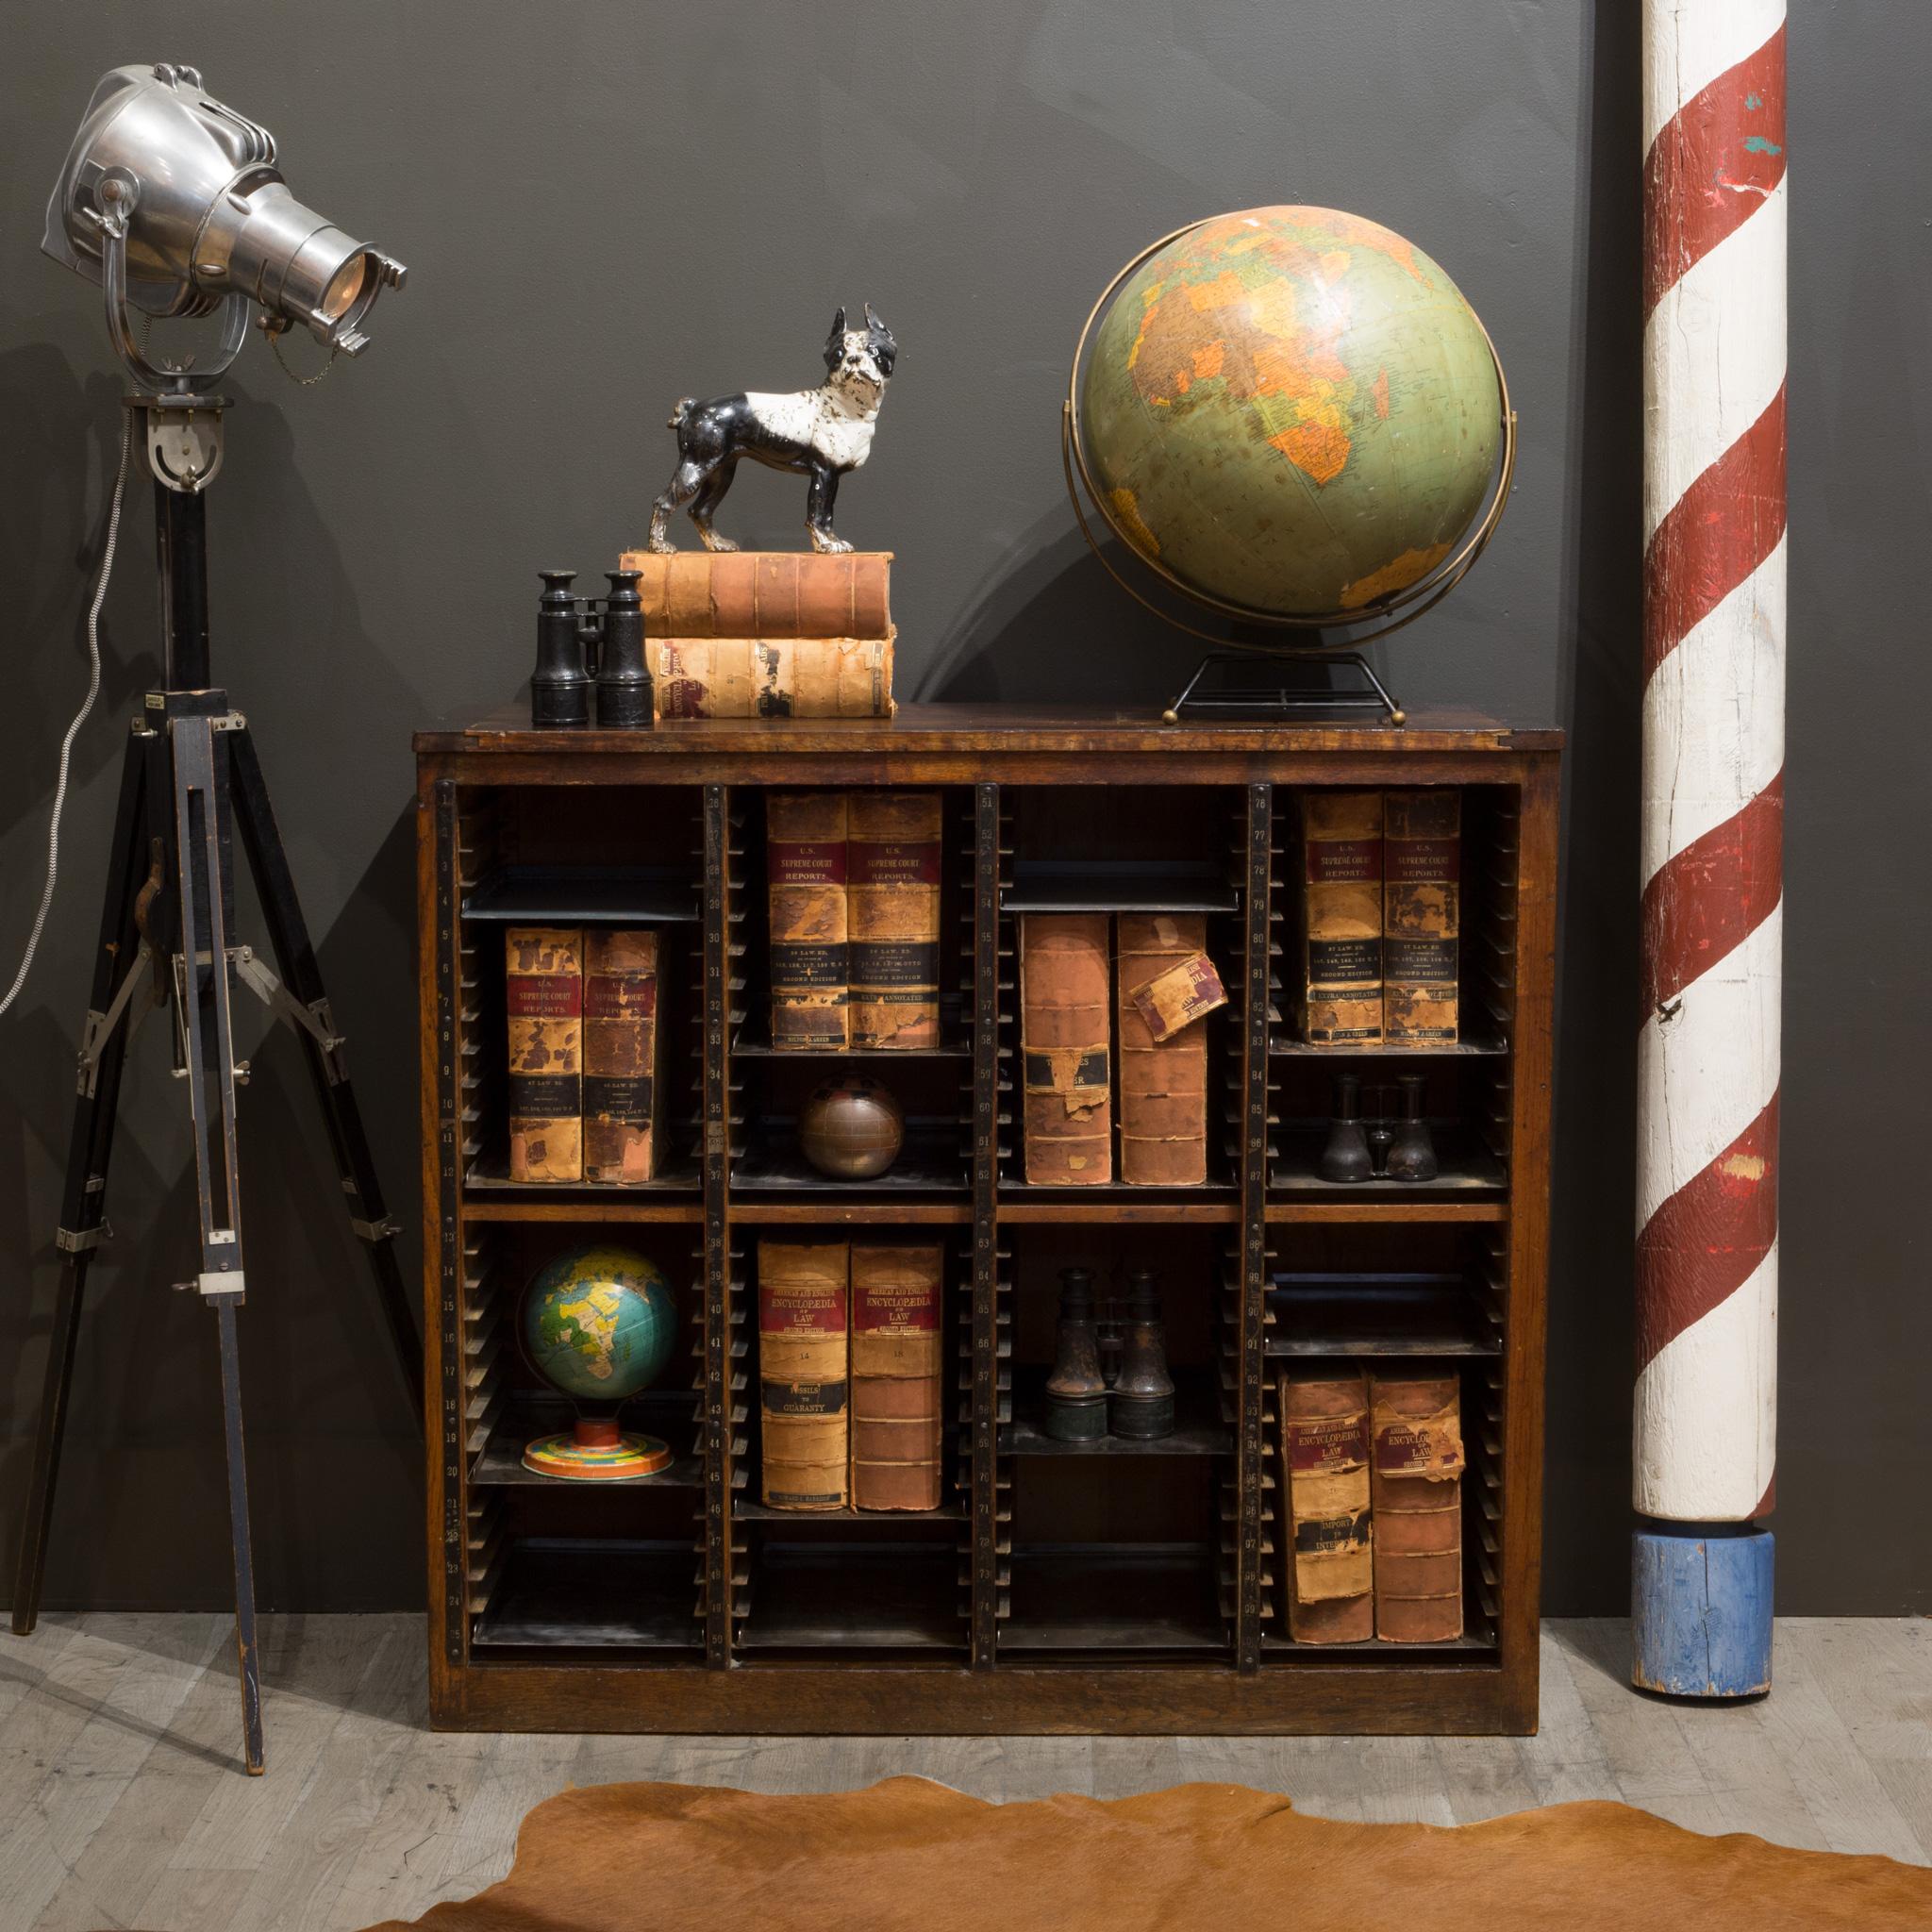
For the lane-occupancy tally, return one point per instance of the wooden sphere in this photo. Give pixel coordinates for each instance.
(852, 1128)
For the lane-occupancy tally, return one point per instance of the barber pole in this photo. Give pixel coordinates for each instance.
(1712, 836)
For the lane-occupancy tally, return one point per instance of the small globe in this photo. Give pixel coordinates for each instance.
(852, 1128)
(1292, 410)
(599, 1323)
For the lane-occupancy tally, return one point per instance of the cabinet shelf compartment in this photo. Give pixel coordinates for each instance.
(1466, 1167)
(589, 1592)
(1198, 1429)
(1116, 885)
(1484, 974)
(663, 1413)
(1391, 1050)
(582, 895)
(1113, 1597)
(806, 1593)
(930, 1162)
(1382, 1314)
(490, 1174)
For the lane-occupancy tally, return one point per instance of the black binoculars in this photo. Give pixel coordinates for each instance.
(1381, 1145)
(581, 649)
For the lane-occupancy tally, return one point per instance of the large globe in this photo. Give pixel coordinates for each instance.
(1292, 410)
(599, 1323)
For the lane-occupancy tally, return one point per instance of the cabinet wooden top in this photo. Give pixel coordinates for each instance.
(944, 729)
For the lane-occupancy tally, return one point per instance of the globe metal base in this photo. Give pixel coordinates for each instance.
(596, 1450)
(1283, 696)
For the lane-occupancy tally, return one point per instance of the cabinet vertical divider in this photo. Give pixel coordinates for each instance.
(985, 1390)
(1254, 1184)
(716, 1141)
(449, 1238)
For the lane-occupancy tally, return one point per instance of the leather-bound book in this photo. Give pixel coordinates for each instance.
(543, 995)
(893, 893)
(805, 863)
(803, 1375)
(1415, 1489)
(1422, 924)
(772, 678)
(764, 594)
(1324, 1476)
(897, 1424)
(620, 1053)
(1163, 1082)
(1065, 1033)
(1338, 986)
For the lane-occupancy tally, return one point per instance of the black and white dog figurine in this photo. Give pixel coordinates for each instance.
(824, 432)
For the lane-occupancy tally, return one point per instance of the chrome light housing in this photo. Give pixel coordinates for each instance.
(173, 202)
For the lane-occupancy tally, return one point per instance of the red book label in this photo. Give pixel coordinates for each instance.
(895, 862)
(912, 1306)
(802, 862)
(1328, 1444)
(1341, 861)
(620, 995)
(1424, 860)
(792, 1306)
(543, 995)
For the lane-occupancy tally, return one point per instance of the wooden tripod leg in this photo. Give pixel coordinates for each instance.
(83, 1208)
(296, 959)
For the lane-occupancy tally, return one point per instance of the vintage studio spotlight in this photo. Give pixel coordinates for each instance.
(173, 202)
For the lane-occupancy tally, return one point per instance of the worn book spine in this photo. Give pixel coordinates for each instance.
(1415, 1489)
(892, 892)
(1065, 1042)
(1421, 852)
(810, 950)
(1339, 989)
(544, 996)
(1163, 1082)
(772, 678)
(803, 1375)
(1325, 1476)
(896, 1427)
(620, 1053)
(764, 594)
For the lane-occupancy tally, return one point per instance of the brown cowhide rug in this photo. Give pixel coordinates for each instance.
(1218, 1858)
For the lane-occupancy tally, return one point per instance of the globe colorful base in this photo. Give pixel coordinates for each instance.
(609, 1460)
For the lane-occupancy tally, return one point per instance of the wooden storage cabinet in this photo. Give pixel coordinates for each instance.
(1113, 1587)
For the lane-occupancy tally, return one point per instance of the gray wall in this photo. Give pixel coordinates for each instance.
(606, 206)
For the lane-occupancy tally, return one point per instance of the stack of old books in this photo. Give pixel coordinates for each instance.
(768, 633)
(849, 1375)
(1380, 924)
(1088, 979)
(1371, 1465)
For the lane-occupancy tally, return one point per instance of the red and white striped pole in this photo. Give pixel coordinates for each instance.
(1713, 819)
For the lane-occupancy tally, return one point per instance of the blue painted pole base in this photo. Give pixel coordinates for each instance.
(1700, 1609)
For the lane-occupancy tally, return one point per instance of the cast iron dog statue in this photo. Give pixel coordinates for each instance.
(824, 432)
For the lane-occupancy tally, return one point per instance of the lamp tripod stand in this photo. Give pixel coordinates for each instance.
(189, 781)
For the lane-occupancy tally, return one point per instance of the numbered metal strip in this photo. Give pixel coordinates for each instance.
(449, 1224)
(1254, 1230)
(717, 1139)
(984, 1392)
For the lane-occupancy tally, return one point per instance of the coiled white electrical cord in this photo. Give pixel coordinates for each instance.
(94, 690)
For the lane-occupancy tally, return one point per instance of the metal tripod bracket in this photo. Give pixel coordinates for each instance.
(99, 1027)
(314, 1019)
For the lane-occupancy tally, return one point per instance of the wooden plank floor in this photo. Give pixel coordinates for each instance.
(119, 1803)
